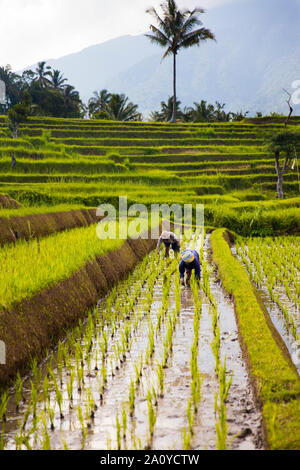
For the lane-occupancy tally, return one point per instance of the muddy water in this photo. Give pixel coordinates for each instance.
(243, 419)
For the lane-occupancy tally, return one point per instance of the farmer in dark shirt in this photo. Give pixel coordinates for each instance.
(189, 261)
(170, 240)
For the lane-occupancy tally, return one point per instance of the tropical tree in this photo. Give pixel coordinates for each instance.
(283, 146)
(166, 111)
(201, 112)
(57, 80)
(72, 101)
(96, 103)
(220, 113)
(42, 72)
(19, 114)
(119, 109)
(176, 30)
(12, 84)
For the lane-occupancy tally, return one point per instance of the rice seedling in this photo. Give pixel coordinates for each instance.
(70, 386)
(151, 418)
(221, 423)
(224, 384)
(36, 371)
(118, 428)
(91, 405)
(46, 442)
(19, 394)
(46, 394)
(131, 397)
(124, 421)
(83, 426)
(34, 399)
(160, 378)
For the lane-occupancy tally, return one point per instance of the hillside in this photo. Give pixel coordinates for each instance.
(255, 56)
(86, 162)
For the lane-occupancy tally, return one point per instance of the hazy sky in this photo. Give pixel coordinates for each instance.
(34, 30)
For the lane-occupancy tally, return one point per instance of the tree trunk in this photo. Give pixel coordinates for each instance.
(279, 176)
(280, 185)
(174, 88)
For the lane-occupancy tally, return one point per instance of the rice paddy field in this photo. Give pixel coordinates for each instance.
(104, 349)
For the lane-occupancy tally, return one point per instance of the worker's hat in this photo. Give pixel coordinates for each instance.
(165, 235)
(187, 256)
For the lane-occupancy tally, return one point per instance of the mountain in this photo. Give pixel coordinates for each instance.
(255, 56)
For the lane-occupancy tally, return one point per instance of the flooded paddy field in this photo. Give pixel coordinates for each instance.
(154, 366)
(273, 266)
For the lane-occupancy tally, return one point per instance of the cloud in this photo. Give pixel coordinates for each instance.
(34, 30)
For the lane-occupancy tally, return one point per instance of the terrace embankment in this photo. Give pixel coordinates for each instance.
(6, 202)
(42, 225)
(34, 325)
(274, 376)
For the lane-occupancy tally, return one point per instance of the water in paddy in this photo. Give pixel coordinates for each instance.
(106, 430)
(276, 315)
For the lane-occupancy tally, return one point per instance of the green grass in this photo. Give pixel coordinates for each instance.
(24, 211)
(29, 267)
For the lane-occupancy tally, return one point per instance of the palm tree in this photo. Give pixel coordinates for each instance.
(13, 85)
(201, 112)
(166, 111)
(118, 109)
(57, 80)
(72, 101)
(175, 31)
(97, 101)
(220, 113)
(41, 73)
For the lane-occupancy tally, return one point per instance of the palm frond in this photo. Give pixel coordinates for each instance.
(154, 13)
(196, 37)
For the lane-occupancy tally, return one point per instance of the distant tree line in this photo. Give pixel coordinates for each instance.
(200, 112)
(50, 94)
(45, 92)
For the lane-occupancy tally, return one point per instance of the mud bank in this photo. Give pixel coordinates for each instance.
(36, 324)
(41, 225)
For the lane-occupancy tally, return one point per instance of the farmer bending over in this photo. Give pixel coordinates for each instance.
(170, 240)
(189, 261)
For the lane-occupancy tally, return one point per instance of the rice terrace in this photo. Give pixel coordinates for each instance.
(103, 344)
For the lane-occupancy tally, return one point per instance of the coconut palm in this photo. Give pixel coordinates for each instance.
(119, 109)
(201, 112)
(72, 101)
(42, 72)
(97, 101)
(57, 80)
(166, 111)
(175, 30)
(12, 84)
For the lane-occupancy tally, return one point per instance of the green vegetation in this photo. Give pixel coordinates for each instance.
(277, 388)
(275, 264)
(29, 267)
(177, 29)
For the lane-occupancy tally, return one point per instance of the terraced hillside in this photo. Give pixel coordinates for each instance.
(111, 374)
(88, 162)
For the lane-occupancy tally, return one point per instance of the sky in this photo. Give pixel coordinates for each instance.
(35, 30)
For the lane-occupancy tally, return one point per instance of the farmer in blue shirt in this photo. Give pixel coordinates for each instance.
(189, 261)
